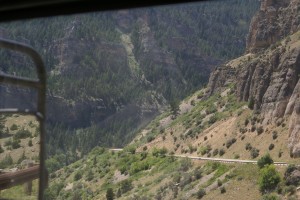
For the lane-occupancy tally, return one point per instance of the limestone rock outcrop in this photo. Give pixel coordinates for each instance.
(270, 76)
(274, 21)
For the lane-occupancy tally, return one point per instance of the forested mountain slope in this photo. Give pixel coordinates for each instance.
(250, 105)
(249, 110)
(110, 73)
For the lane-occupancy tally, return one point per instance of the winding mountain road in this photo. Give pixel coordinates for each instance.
(223, 160)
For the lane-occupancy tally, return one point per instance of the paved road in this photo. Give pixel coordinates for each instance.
(223, 160)
(116, 149)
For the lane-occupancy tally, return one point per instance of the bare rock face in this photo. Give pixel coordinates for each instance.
(271, 77)
(274, 21)
(293, 108)
(292, 177)
(220, 78)
(282, 84)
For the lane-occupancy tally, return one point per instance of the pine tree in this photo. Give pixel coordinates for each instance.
(174, 105)
(110, 194)
(251, 103)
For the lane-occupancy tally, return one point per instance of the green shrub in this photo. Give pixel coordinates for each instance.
(201, 193)
(21, 134)
(221, 152)
(53, 191)
(219, 182)
(271, 146)
(15, 144)
(7, 142)
(212, 119)
(211, 109)
(264, 160)
(130, 149)
(280, 154)
(22, 157)
(199, 96)
(248, 146)
(13, 127)
(243, 130)
(205, 150)
(290, 190)
(89, 175)
(190, 133)
(176, 178)
(6, 161)
(185, 164)
(110, 194)
(254, 153)
(197, 173)
(215, 152)
(269, 179)
(274, 135)
(270, 197)
(159, 152)
(236, 156)
(192, 148)
(150, 138)
(222, 190)
(30, 143)
(175, 139)
(78, 176)
(162, 130)
(260, 130)
(185, 180)
(251, 103)
(230, 142)
(125, 186)
(193, 102)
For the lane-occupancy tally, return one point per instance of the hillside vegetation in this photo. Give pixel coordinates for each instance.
(215, 126)
(151, 175)
(19, 146)
(154, 174)
(203, 124)
(19, 139)
(249, 110)
(113, 72)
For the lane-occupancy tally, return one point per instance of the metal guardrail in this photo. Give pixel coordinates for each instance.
(19, 177)
(40, 86)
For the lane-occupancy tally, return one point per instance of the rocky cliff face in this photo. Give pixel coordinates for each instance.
(274, 21)
(269, 76)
